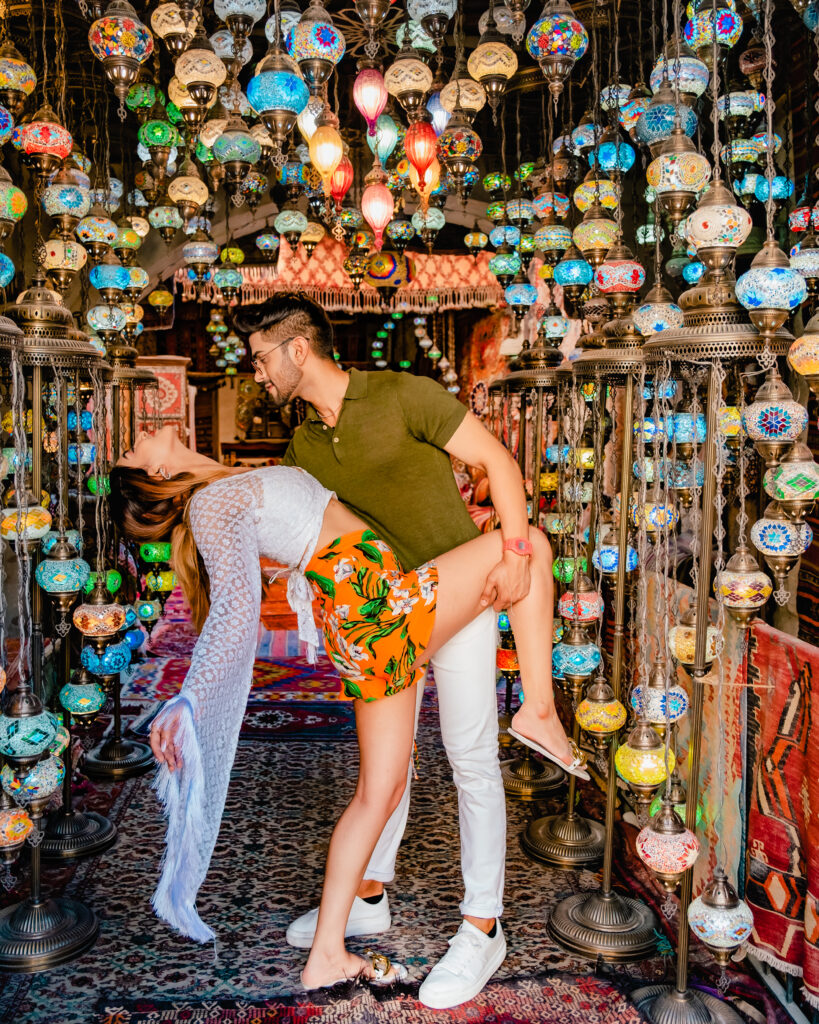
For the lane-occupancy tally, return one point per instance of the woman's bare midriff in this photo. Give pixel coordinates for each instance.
(338, 520)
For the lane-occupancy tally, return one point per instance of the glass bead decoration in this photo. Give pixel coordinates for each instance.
(34, 783)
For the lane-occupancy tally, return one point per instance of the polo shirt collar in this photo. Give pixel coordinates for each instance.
(357, 388)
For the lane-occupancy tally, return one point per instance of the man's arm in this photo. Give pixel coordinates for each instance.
(473, 444)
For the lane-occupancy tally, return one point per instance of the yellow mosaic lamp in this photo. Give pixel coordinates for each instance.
(803, 354)
(600, 714)
(641, 763)
(682, 639)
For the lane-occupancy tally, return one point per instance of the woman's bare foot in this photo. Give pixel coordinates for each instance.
(324, 973)
(546, 730)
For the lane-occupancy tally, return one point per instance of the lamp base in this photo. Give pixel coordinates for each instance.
(77, 834)
(525, 778)
(118, 759)
(663, 1004)
(39, 936)
(605, 926)
(564, 842)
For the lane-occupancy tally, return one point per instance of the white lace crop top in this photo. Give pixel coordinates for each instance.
(276, 512)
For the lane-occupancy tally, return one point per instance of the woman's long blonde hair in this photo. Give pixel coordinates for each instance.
(148, 509)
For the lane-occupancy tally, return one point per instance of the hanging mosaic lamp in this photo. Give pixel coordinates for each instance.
(595, 234)
(236, 150)
(110, 278)
(99, 616)
(717, 228)
(599, 713)
(611, 154)
(13, 204)
(312, 236)
(317, 46)
(492, 62)
(655, 125)
(17, 79)
(805, 260)
(742, 586)
(557, 40)
(199, 70)
(794, 483)
(581, 604)
(463, 91)
(803, 355)
(44, 142)
(187, 190)
(659, 702)
(704, 23)
(460, 147)
(576, 658)
(770, 290)
(505, 264)
(166, 218)
(684, 69)
(774, 420)
(199, 253)
(678, 174)
(123, 44)
(573, 273)
(278, 95)
(172, 28)
(268, 245)
(67, 198)
(291, 223)
(658, 312)
(641, 763)
(228, 279)
(682, 640)
(719, 918)
(240, 15)
(666, 847)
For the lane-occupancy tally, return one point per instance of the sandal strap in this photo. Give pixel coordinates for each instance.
(580, 757)
(382, 965)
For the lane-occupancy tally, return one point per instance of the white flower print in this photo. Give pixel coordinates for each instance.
(356, 653)
(402, 606)
(427, 589)
(341, 612)
(343, 569)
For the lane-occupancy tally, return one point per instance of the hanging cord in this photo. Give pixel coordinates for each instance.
(21, 457)
(715, 96)
(677, 19)
(100, 462)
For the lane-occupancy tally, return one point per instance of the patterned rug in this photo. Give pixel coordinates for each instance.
(553, 997)
(783, 823)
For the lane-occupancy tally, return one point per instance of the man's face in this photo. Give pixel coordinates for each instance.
(272, 365)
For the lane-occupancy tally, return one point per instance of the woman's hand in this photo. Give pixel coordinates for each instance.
(165, 742)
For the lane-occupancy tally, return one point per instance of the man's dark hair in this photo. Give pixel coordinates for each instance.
(300, 313)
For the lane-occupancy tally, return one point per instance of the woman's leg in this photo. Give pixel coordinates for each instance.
(385, 730)
(462, 574)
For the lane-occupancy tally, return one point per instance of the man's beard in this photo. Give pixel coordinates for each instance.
(287, 380)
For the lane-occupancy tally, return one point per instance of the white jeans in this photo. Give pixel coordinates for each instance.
(466, 680)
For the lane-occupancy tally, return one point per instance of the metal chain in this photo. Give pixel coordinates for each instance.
(768, 41)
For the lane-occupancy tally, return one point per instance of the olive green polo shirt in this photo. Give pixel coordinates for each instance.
(385, 460)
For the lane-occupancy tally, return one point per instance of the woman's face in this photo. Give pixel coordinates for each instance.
(153, 451)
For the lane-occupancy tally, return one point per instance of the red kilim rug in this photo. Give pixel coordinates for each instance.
(783, 796)
(556, 998)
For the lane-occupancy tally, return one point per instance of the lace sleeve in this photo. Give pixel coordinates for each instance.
(212, 700)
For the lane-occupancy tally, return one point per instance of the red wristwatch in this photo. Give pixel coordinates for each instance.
(519, 545)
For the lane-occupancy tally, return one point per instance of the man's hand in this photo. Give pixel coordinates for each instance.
(164, 741)
(507, 582)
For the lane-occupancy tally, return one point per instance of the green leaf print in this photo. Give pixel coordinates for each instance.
(370, 610)
(352, 690)
(368, 535)
(372, 553)
(322, 582)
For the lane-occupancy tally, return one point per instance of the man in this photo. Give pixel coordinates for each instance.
(382, 442)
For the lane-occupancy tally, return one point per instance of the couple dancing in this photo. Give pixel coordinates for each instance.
(366, 514)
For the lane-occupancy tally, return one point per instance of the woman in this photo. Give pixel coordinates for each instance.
(380, 625)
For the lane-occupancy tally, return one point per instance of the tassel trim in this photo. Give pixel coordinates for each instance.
(182, 795)
(767, 957)
(258, 288)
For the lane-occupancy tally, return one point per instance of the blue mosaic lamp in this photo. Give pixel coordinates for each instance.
(35, 783)
(553, 240)
(557, 40)
(576, 658)
(656, 123)
(278, 96)
(82, 699)
(658, 312)
(611, 153)
(573, 270)
(719, 918)
(113, 658)
(774, 420)
(63, 572)
(24, 737)
(690, 72)
(781, 543)
(771, 289)
(606, 558)
(504, 234)
(660, 702)
(110, 278)
(268, 244)
(520, 295)
(693, 271)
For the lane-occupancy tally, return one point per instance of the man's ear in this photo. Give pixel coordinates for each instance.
(299, 350)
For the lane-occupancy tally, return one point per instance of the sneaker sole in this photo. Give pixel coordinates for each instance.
(479, 985)
(301, 940)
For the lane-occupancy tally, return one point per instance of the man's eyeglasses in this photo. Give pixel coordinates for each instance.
(258, 361)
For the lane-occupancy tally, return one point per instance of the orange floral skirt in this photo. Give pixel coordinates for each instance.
(377, 619)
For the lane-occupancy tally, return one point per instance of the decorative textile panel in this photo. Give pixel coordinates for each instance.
(170, 403)
(783, 804)
(446, 281)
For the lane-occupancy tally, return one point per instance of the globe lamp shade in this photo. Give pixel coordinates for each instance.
(378, 207)
(370, 96)
(420, 145)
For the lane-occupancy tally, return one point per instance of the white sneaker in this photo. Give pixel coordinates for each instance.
(460, 975)
(365, 919)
